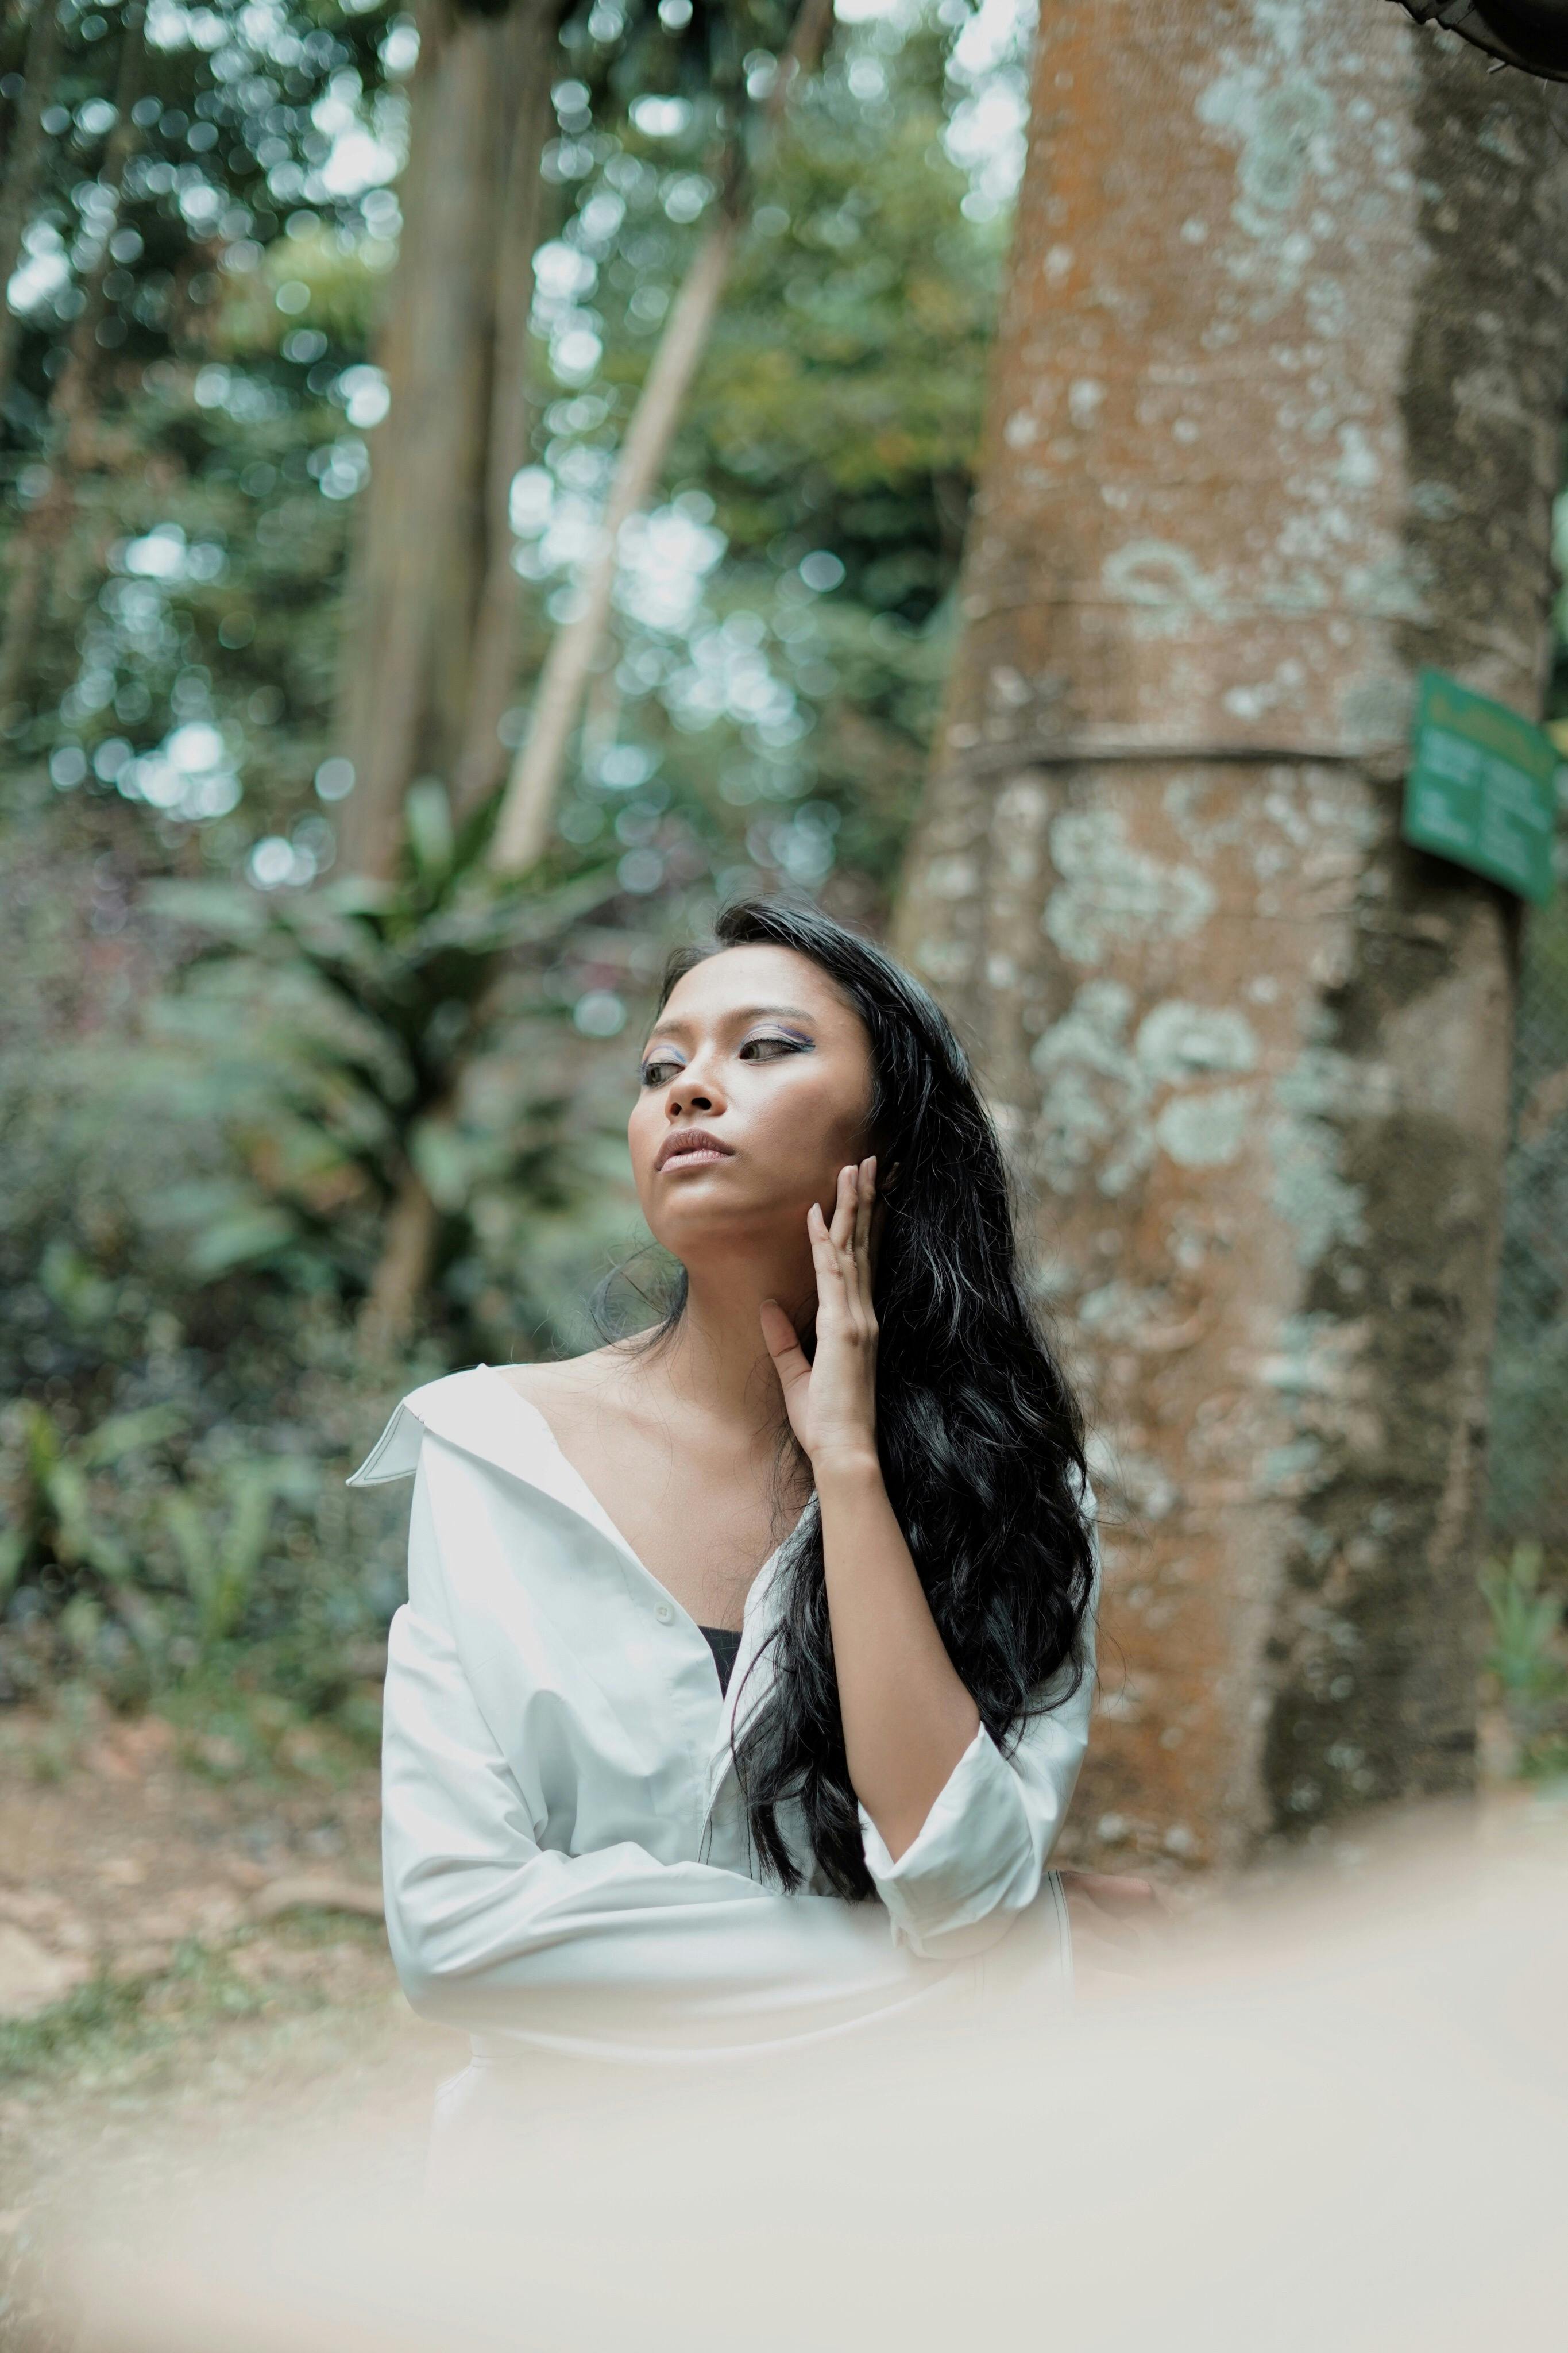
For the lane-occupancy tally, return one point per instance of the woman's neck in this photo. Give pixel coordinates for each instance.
(716, 1361)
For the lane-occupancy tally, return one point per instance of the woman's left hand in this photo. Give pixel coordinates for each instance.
(832, 1401)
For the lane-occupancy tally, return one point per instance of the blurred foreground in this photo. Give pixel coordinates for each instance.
(1333, 2109)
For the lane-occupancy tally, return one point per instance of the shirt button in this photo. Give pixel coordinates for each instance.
(665, 1614)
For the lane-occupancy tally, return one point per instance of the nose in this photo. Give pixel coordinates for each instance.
(694, 1090)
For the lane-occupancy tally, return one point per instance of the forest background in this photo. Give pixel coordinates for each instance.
(278, 1142)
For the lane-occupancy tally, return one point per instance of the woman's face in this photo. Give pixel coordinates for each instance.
(758, 1062)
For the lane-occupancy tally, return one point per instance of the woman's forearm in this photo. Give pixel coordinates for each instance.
(907, 1718)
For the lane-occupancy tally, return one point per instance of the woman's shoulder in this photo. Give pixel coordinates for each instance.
(471, 1409)
(581, 1397)
(561, 1380)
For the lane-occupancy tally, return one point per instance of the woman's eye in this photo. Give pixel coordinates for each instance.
(770, 1048)
(654, 1068)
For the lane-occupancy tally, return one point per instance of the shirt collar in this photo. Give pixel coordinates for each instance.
(480, 1414)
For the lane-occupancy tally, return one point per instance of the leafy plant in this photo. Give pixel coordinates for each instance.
(220, 1537)
(54, 1518)
(369, 1051)
(1527, 1657)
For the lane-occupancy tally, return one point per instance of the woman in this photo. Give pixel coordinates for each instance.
(746, 1667)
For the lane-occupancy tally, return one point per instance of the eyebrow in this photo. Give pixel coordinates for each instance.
(742, 1014)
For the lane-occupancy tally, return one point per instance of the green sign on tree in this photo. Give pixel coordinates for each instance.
(1482, 786)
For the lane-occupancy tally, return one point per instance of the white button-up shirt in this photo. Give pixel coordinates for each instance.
(565, 1853)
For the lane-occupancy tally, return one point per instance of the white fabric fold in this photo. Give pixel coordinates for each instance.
(980, 1855)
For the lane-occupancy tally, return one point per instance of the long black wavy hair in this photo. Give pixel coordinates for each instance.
(980, 1436)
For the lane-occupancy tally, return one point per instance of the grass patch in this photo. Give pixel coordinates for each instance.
(99, 2012)
(112, 2026)
(110, 2019)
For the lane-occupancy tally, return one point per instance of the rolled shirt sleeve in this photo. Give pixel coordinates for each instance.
(981, 1855)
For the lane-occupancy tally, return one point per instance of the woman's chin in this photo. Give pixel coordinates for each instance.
(705, 1218)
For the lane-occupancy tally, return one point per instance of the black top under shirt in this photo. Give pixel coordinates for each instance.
(724, 1646)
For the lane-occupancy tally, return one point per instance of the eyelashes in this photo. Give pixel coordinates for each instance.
(773, 1047)
(777, 1045)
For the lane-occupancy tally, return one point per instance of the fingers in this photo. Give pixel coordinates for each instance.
(841, 1252)
(853, 1198)
(828, 1263)
(865, 1197)
(783, 1344)
(842, 1227)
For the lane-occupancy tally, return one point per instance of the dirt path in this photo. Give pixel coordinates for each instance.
(167, 1984)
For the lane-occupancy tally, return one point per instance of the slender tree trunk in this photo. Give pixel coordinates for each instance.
(412, 1230)
(1274, 420)
(408, 1248)
(436, 518)
(523, 827)
(22, 167)
(38, 542)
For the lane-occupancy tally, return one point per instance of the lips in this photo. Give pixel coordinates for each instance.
(692, 1143)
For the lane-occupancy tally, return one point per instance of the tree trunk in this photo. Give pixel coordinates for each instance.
(482, 759)
(408, 1248)
(22, 166)
(436, 518)
(1274, 422)
(40, 539)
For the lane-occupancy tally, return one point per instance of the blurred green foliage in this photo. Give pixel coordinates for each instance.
(53, 1520)
(344, 1038)
(1528, 1659)
(759, 721)
(783, 617)
(191, 1210)
(1529, 1459)
(219, 1061)
(198, 571)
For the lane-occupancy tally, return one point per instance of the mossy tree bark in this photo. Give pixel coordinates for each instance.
(1274, 420)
